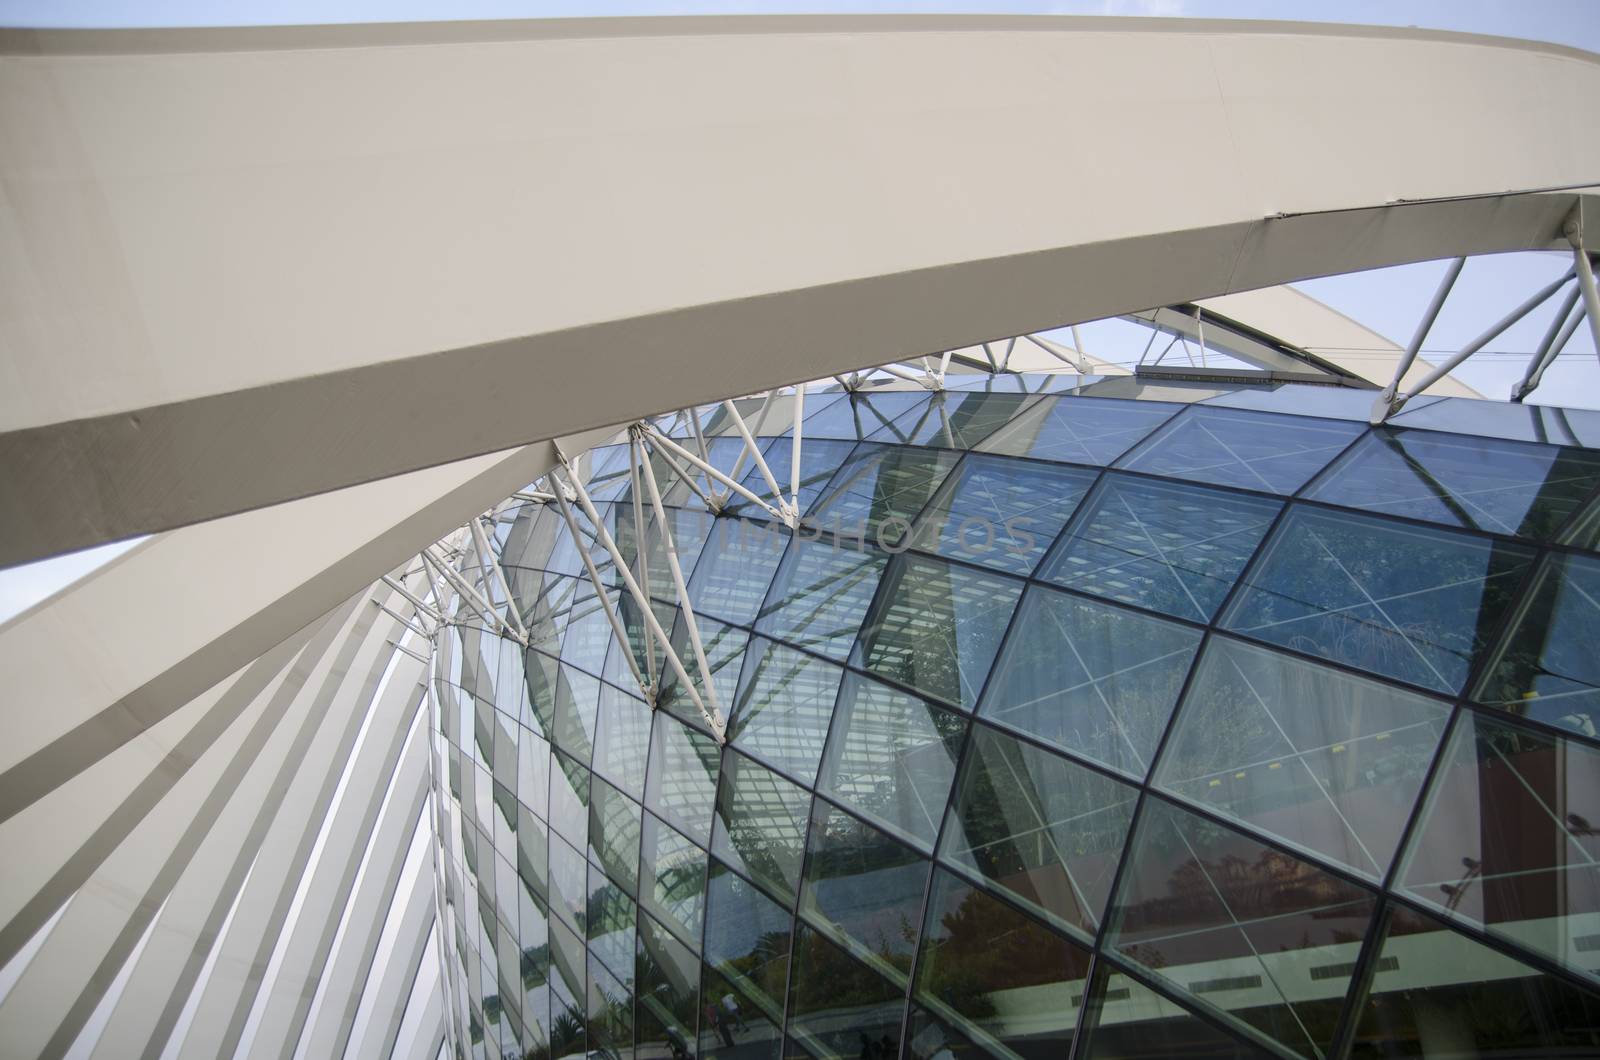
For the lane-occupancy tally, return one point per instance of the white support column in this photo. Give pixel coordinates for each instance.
(470, 596)
(761, 420)
(794, 447)
(490, 563)
(714, 718)
(1573, 229)
(635, 455)
(1077, 348)
(422, 609)
(1562, 327)
(1473, 347)
(712, 499)
(754, 450)
(647, 687)
(639, 596)
(663, 445)
(1387, 402)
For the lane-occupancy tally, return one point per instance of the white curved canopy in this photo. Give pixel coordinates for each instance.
(242, 266)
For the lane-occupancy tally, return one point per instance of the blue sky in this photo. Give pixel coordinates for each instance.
(1388, 300)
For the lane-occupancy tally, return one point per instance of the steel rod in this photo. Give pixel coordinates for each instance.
(1483, 340)
(1385, 404)
(659, 441)
(639, 596)
(635, 455)
(487, 558)
(1562, 325)
(648, 688)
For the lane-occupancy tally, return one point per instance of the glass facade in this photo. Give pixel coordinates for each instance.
(1061, 726)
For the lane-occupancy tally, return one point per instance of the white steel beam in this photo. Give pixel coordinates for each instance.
(648, 688)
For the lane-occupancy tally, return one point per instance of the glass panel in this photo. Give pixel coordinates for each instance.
(614, 834)
(838, 1007)
(784, 705)
(732, 1025)
(1547, 667)
(865, 889)
(1251, 450)
(735, 569)
(533, 855)
(1042, 828)
(1482, 484)
(1416, 605)
(819, 459)
(761, 825)
(610, 1014)
(1003, 978)
(747, 940)
(568, 990)
(1161, 545)
(1001, 513)
(622, 740)
(576, 696)
(1238, 925)
(1326, 761)
(1096, 680)
(1092, 431)
(891, 758)
(1136, 1023)
(569, 800)
(821, 594)
(672, 880)
(724, 647)
(858, 415)
(610, 924)
(682, 784)
(569, 882)
(668, 993)
(953, 420)
(533, 772)
(937, 627)
(1509, 839)
(1438, 993)
(1585, 529)
(542, 673)
(879, 490)
(589, 631)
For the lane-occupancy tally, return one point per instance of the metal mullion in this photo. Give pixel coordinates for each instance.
(640, 598)
(718, 725)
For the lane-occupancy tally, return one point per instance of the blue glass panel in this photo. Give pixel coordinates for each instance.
(1001, 513)
(1238, 926)
(1479, 483)
(864, 889)
(858, 415)
(891, 758)
(821, 594)
(1007, 980)
(819, 459)
(761, 825)
(785, 701)
(1324, 760)
(724, 647)
(1093, 431)
(1040, 827)
(1417, 605)
(1509, 840)
(1251, 450)
(1096, 680)
(879, 490)
(953, 419)
(1548, 667)
(682, 782)
(735, 569)
(936, 627)
(1160, 545)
